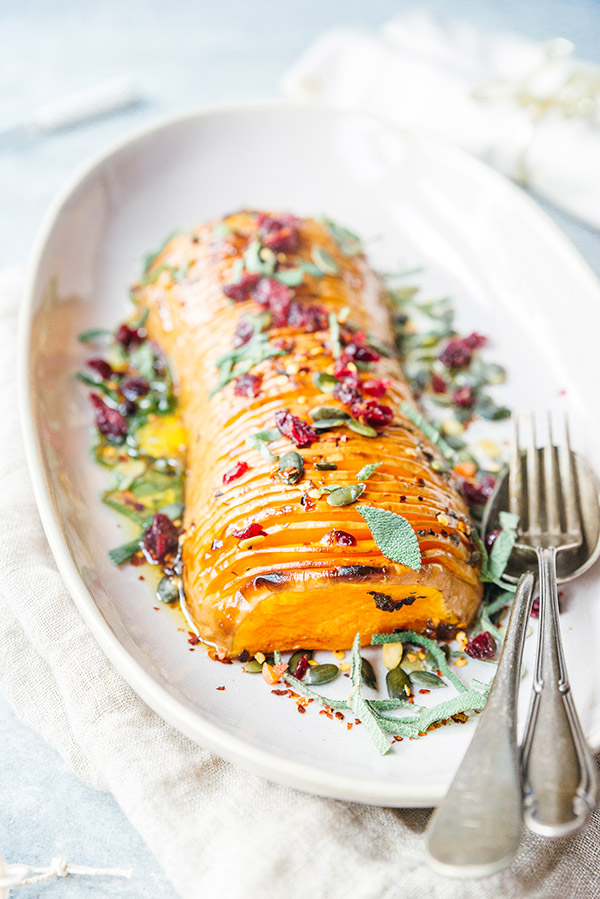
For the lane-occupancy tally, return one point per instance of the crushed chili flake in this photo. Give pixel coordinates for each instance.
(193, 639)
(220, 688)
(254, 529)
(339, 715)
(349, 725)
(301, 709)
(235, 472)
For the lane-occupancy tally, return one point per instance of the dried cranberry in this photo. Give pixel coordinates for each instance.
(308, 318)
(342, 538)
(241, 290)
(483, 646)
(279, 232)
(251, 530)
(475, 340)
(347, 393)
(341, 370)
(127, 407)
(301, 667)
(465, 397)
(490, 539)
(296, 430)
(375, 387)
(244, 330)
(362, 353)
(109, 421)
(277, 297)
(373, 413)
(535, 607)
(128, 337)
(456, 354)
(102, 367)
(235, 472)
(161, 538)
(247, 385)
(132, 388)
(477, 494)
(438, 385)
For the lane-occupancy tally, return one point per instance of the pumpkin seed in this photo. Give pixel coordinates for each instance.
(391, 653)
(324, 412)
(398, 684)
(325, 423)
(368, 673)
(167, 590)
(495, 373)
(292, 277)
(325, 466)
(324, 381)
(291, 467)
(343, 496)
(253, 667)
(324, 260)
(295, 658)
(410, 666)
(359, 428)
(321, 674)
(426, 679)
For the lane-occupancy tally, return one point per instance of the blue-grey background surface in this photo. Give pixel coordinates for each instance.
(182, 54)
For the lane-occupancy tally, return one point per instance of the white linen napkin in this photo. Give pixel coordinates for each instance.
(420, 71)
(217, 830)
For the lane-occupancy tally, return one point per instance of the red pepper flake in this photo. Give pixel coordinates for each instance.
(108, 421)
(254, 529)
(301, 709)
(357, 721)
(296, 430)
(339, 715)
(235, 472)
(281, 692)
(349, 725)
(193, 639)
(242, 289)
(161, 539)
(424, 692)
(220, 688)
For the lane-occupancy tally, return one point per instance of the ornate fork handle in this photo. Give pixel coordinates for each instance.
(559, 774)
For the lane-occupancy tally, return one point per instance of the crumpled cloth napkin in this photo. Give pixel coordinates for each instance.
(420, 71)
(217, 830)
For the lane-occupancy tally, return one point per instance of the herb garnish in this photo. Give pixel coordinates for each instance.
(428, 429)
(241, 360)
(323, 260)
(367, 470)
(394, 536)
(347, 241)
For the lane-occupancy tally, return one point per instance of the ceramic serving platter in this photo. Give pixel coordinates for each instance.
(417, 202)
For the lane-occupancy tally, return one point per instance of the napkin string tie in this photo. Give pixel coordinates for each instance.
(17, 875)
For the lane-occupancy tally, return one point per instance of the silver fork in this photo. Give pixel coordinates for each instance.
(558, 771)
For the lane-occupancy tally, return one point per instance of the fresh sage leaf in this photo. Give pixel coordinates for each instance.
(367, 470)
(394, 536)
(324, 260)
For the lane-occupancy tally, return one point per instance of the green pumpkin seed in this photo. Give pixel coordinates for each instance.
(398, 684)
(167, 590)
(319, 413)
(324, 381)
(325, 466)
(321, 674)
(426, 679)
(343, 496)
(494, 373)
(292, 277)
(368, 673)
(359, 428)
(295, 658)
(291, 467)
(253, 667)
(325, 423)
(324, 260)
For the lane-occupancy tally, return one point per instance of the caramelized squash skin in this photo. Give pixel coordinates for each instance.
(294, 586)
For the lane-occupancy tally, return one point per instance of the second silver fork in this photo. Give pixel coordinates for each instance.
(559, 774)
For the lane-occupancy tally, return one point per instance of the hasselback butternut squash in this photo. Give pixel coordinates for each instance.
(277, 330)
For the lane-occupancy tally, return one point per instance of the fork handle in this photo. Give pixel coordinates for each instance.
(477, 827)
(560, 781)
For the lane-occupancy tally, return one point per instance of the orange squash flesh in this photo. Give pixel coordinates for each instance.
(295, 587)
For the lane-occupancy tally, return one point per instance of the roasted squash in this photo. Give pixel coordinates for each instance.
(266, 317)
